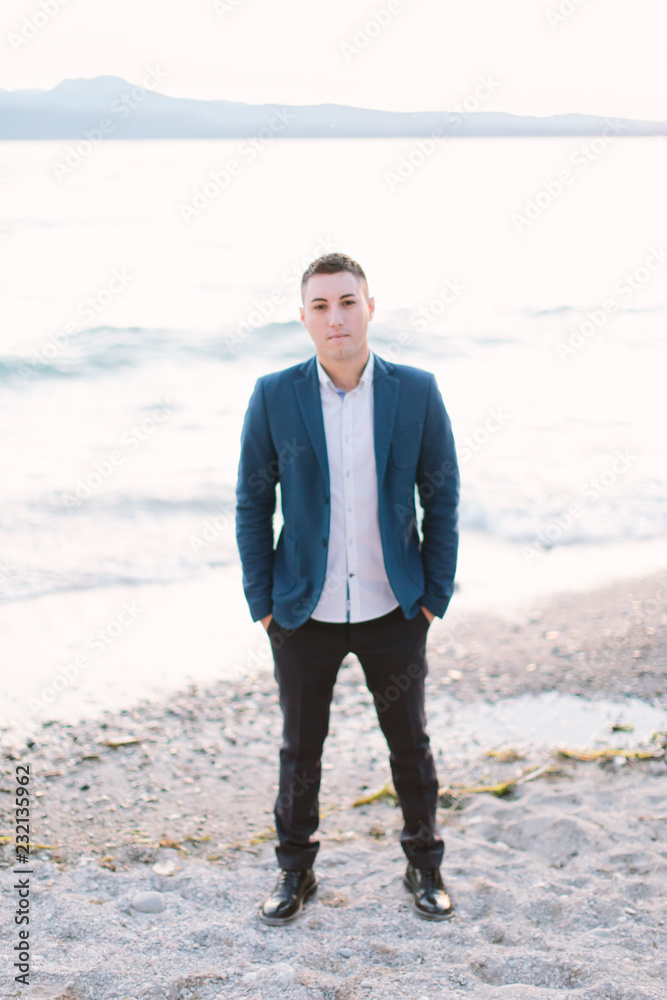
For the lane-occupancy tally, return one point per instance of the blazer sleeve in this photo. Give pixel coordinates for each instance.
(438, 486)
(256, 504)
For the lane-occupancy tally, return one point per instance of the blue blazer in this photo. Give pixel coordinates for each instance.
(283, 441)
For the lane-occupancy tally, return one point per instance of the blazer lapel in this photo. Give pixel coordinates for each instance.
(307, 391)
(385, 402)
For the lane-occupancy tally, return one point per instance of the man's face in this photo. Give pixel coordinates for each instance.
(336, 313)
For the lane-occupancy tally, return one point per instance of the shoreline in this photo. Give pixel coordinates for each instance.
(80, 652)
(560, 885)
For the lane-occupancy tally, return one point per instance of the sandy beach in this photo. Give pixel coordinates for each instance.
(558, 884)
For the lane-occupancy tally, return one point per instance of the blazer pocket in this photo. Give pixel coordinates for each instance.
(291, 556)
(286, 576)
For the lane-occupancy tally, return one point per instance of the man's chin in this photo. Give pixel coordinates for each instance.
(341, 347)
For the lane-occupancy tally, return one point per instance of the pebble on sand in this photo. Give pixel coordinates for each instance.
(148, 902)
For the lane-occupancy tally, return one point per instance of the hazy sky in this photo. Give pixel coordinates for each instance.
(544, 56)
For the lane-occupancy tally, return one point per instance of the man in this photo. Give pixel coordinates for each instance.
(348, 435)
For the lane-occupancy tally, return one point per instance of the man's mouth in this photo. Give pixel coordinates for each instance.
(337, 336)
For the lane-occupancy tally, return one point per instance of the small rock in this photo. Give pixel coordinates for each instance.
(345, 952)
(166, 868)
(284, 975)
(120, 740)
(148, 902)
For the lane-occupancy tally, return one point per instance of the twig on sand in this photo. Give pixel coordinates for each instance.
(609, 752)
(508, 756)
(500, 789)
(387, 792)
(260, 838)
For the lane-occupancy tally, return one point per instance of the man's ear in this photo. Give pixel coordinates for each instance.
(302, 314)
(371, 307)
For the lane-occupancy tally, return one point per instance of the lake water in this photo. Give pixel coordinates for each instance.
(142, 298)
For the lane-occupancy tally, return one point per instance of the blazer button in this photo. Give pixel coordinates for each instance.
(324, 542)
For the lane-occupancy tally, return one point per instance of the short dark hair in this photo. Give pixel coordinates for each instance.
(332, 263)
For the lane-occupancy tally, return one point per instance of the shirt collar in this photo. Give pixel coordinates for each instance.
(366, 375)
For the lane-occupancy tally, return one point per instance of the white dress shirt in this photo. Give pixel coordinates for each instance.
(356, 587)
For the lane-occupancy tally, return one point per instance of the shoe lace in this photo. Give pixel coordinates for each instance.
(430, 880)
(289, 879)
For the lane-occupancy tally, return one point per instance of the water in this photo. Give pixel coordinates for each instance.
(130, 342)
(550, 720)
(171, 323)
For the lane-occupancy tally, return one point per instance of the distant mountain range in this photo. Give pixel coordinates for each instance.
(119, 110)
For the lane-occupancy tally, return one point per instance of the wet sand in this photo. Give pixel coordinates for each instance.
(559, 886)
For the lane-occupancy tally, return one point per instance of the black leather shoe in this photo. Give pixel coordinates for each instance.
(431, 901)
(286, 901)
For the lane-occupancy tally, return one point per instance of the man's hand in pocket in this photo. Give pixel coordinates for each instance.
(265, 621)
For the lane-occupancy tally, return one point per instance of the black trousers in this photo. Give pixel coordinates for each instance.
(391, 650)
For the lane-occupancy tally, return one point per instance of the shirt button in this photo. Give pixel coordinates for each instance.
(324, 542)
